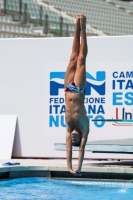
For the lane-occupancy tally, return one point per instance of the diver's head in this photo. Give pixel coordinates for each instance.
(76, 138)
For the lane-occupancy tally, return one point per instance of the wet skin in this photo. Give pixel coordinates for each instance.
(75, 116)
(77, 123)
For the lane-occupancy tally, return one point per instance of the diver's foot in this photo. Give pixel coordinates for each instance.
(82, 22)
(78, 21)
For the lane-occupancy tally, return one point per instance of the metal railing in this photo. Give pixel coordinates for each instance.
(23, 16)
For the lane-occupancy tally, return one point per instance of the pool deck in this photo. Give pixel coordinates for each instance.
(57, 168)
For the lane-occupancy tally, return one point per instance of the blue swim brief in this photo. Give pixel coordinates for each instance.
(71, 87)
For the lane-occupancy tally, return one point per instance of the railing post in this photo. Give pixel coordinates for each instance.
(4, 6)
(40, 12)
(20, 7)
(61, 26)
(46, 24)
(67, 30)
(25, 13)
(20, 10)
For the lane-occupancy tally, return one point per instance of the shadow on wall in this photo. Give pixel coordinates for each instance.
(17, 151)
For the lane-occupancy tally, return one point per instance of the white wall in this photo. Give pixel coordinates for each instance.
(25, 65)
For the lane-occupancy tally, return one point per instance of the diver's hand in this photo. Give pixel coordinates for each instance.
(72, 171)
(78, 172)
(75, 172)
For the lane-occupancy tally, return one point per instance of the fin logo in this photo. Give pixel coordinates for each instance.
(98, 83)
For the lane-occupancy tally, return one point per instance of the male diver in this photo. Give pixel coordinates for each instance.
(77, 123)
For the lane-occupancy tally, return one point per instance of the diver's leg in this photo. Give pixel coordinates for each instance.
(80, 75)
(71, 69)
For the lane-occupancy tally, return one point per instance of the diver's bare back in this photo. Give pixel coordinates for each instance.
(75, 115)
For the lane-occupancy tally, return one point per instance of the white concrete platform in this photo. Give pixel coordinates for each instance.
(103, 146)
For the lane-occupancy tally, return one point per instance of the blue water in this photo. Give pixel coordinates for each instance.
(41, 188)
